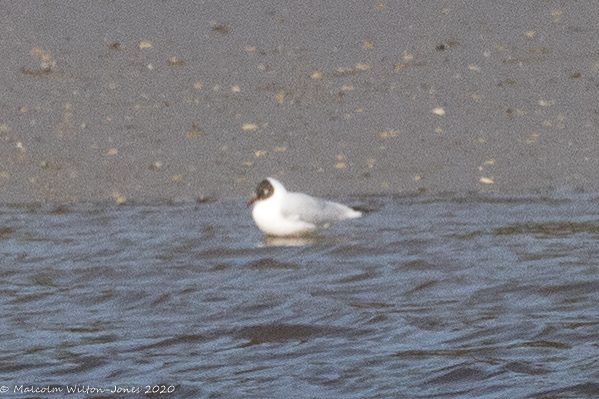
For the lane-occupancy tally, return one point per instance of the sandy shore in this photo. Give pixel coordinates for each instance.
(140, 100)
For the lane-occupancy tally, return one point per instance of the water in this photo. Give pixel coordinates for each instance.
(448, 296)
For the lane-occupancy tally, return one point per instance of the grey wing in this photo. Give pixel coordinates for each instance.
(313, 210)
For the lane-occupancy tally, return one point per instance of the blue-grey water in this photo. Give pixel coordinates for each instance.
(433, 296)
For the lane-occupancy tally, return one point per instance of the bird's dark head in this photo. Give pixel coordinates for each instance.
(264, 190)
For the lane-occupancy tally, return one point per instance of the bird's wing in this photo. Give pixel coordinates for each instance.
(308, 209)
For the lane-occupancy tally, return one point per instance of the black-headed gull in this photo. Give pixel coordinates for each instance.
(278, 212)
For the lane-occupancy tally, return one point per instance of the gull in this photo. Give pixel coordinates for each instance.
(278, 212)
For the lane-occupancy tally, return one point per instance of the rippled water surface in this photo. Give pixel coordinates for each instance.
(431, 296)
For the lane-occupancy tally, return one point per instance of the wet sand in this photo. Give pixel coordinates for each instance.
(172, 100)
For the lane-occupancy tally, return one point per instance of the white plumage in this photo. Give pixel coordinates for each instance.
(278, 212)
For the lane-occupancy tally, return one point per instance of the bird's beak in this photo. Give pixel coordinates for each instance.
(251, 201)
